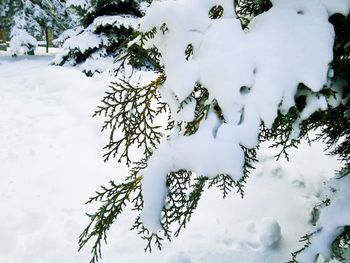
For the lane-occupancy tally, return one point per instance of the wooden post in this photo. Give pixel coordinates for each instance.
(47, 39)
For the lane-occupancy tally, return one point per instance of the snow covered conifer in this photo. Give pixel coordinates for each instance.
(228, 77)
(21, 41)
(53, 18)
(7, 12)
(104, 26)
(30, 21)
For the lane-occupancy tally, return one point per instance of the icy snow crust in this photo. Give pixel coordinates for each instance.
(252, 75)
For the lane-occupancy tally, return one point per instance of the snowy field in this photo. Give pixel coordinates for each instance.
(50, 163)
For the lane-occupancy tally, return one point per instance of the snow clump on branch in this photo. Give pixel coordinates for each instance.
(252, 74)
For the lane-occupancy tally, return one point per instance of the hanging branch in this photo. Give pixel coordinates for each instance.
(130, 110)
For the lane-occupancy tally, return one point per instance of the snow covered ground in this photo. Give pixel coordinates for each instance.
(50, 163)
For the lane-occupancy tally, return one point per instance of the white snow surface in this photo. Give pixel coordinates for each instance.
(332, 220)
(84, 41)
(252, 75)
(69, 33)
(97, 63)
(337, 6)
(50, 163)
(117, 21)
(78, 3)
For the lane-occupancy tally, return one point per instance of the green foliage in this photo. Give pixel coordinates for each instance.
(334, 131)
(113, 199)
(281, 131)
(96, 8)
(133, 53)
(340, 244)
(315, 212)
(185, 192)
(306, 239)
(8, 9)
(114, 36)
(200, 95)
(180, 205)
(130, 111)
(331, 126)
(38, 16)
(248, 9)
(216, 12)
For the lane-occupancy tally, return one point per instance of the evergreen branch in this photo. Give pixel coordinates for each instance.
(341, 244)
(134, 53)
(338, 248)
(281, 131)
(226, 184)
(248, 9)
(182, 199)
(113, 199)
(307, 239)
(192, 203)
(150, 238)
(201, 95)
(216, 12)
(130, 109)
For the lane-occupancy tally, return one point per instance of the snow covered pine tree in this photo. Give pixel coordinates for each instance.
(31, 21)
(104, 26)
(7, 12)
(228, 76)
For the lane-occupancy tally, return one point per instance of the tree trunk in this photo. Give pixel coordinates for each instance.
(47, 39)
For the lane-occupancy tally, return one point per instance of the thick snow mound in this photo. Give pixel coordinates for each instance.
(269, 232)
(265, 233)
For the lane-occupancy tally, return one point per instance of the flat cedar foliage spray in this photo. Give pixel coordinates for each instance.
(133, 109)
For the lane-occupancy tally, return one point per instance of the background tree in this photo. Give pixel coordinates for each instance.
(30, 21)
(7, 11)
(104, 26)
